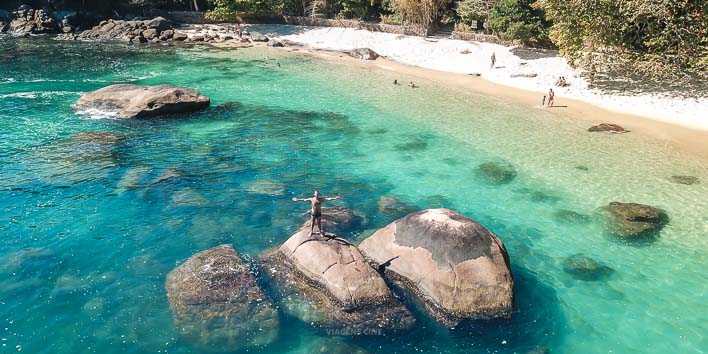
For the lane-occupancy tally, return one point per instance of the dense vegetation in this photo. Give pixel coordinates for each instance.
(654, 38)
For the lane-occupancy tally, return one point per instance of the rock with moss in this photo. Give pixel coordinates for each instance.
(217, 304)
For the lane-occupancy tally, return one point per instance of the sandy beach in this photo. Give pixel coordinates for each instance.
(673, 121)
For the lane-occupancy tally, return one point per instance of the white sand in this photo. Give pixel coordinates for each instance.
(447, 55)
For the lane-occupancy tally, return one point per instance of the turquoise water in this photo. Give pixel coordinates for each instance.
(89, 233)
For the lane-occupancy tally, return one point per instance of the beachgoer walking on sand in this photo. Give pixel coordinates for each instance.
(543, 101)
(494, 60)
(316, 210)
(551, 96)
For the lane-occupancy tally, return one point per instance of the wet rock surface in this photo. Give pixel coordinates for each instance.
(633, 221)
(217, 304)
(327, 282)
(459, 269)
(585, 268)
(133, 101)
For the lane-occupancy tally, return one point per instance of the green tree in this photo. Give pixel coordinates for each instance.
(518, 20)
(658, 39)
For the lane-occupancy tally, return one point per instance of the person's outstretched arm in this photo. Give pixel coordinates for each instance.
(301, 199)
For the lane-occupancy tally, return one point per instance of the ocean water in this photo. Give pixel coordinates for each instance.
(91, 223)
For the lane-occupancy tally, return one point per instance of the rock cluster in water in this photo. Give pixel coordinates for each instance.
(133, 101)
(216, 302)
(134, 31)
(607, 128)
(451, 264)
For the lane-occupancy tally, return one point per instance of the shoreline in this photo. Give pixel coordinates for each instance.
(684, 139)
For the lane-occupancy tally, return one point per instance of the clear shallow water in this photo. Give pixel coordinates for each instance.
(88, 236)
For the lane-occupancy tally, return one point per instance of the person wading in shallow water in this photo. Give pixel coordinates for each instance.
(316, 210)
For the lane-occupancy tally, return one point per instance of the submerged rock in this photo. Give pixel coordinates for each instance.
(133, 101)
(458, 268)
(607, 128)
(336, 220)
(584, 268)
(687, 180)
(363, 54)
(633, 221)
(327, 282)
(570, 217)
(217, 304)
(495, 173)
(395, 208)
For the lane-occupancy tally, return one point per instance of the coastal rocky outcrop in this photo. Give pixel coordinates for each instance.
(633, 221)
(133, 101)
(363, 54)
(455, 266)
(155, 30)
(495, 173)
(327, 282)
(585, 268)
(336, 220)
(216, 302)
(607, 128)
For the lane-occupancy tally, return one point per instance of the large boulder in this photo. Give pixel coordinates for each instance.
(217, 304)
(336, 220)
(363, 54)
(258, 37)
(327, 282)
(458, 268)
(133, 101)
(633, 221)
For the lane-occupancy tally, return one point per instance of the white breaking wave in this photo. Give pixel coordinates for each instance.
(37, 94)
(94, 113)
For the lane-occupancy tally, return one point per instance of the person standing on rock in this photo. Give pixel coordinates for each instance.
(316, 210)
